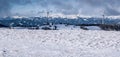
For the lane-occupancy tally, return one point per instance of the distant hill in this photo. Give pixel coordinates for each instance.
(40, 21)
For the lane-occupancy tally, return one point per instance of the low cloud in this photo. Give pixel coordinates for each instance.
(66, 6)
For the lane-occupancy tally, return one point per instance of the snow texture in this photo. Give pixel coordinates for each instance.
(59, 43)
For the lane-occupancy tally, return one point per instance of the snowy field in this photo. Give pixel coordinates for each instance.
(59, 43)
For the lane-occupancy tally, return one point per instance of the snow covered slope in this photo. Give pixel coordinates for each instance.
(59, 43)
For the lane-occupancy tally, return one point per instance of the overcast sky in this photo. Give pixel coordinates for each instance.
(66, 7)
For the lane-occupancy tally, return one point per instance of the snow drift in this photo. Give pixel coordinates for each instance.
(60, 43)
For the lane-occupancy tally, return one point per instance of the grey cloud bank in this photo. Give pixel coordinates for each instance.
(68, 7)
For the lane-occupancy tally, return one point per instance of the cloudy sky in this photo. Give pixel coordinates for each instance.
(66, 7)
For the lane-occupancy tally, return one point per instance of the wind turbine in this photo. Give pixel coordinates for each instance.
(48, 13)
(103, 18)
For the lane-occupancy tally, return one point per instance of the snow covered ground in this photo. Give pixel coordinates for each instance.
(59, 43)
